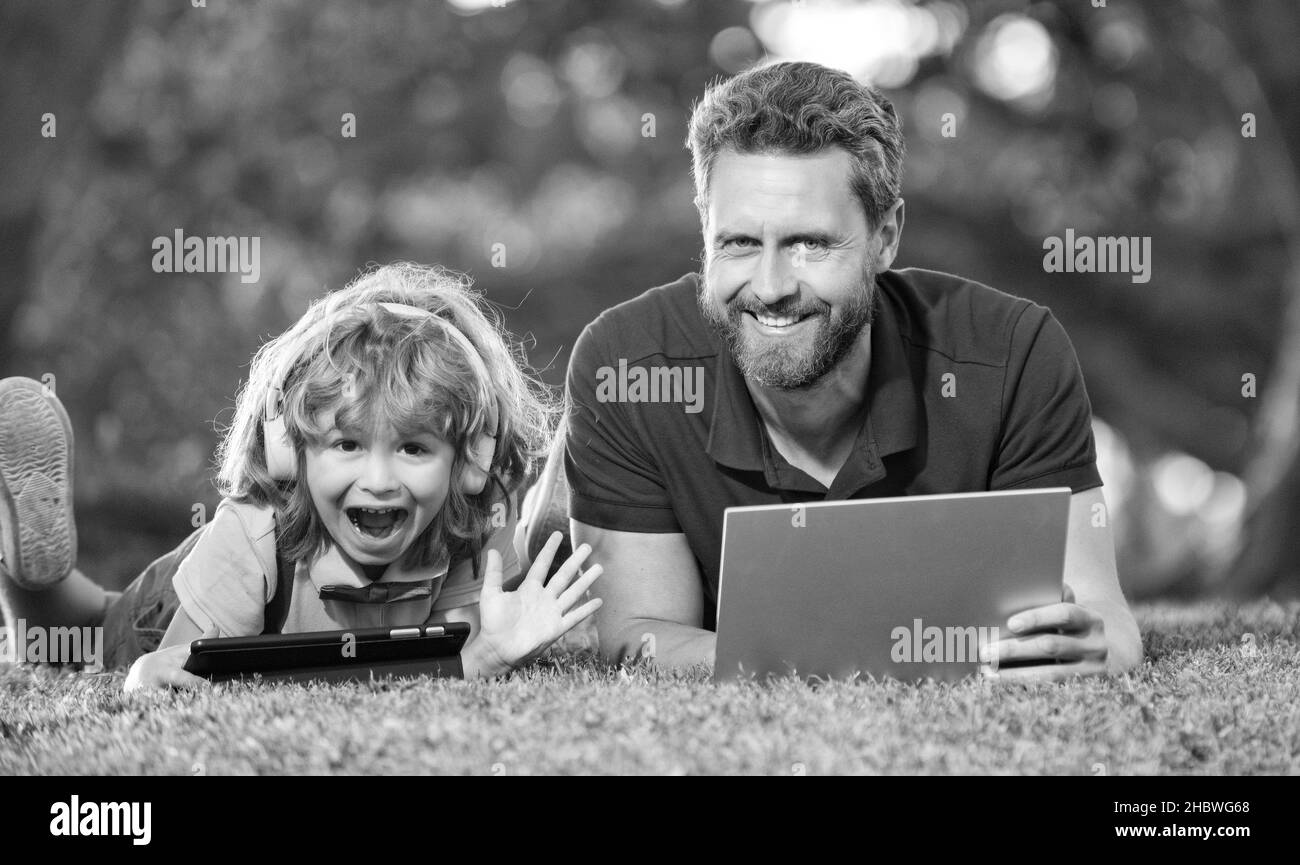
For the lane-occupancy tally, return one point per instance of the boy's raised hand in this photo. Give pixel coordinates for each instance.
(164, 668)
(515, 627)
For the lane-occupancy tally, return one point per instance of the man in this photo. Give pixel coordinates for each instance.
(826, 375)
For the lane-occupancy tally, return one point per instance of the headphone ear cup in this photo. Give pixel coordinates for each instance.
(474, 476)
(280, 462)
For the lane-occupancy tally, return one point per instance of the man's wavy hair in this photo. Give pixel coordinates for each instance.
(801, 108)
(352, 361)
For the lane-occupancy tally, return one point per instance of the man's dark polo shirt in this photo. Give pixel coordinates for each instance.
(1016, 414)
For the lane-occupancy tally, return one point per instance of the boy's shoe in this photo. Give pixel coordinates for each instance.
(38, 537)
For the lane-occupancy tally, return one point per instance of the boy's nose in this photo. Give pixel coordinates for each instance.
(378, 476)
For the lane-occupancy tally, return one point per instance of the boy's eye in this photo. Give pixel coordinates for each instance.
(347, 446)
(411, 449)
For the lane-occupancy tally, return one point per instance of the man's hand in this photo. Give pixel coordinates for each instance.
(515, 627)
(1062, 640)
(164, 668)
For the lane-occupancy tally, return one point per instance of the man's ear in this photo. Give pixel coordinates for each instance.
(887, 236)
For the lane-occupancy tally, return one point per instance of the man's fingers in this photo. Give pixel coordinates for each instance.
(1048, 648)
(1070, 617)
(1045, 673)
(562, 577)
(579, 588)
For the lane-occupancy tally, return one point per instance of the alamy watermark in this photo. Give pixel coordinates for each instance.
(680, 384)
(40, 645)
(75, 817)
(193, 254)
(1081, 254)
(931, 644)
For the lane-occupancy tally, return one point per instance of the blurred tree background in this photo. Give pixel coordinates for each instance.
(549, 133)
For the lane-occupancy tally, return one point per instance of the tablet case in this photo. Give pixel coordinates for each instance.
(359, 654)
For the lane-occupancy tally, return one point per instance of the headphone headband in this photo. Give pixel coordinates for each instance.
(290, 358)
(279, 451)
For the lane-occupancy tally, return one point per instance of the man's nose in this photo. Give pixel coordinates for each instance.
(774, 278)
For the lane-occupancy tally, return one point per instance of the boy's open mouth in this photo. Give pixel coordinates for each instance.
(376, 522)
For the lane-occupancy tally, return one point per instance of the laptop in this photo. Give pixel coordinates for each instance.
(905, 587)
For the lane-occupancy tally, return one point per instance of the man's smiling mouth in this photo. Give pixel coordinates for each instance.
(778, 322)
(376, 523)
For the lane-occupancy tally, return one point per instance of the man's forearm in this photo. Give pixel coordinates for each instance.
(668, 644)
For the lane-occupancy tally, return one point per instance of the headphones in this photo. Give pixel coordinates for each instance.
(282, 464)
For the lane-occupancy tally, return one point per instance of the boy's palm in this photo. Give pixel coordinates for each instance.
(517, 626)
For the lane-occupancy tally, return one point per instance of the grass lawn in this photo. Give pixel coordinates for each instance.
(1219, 693)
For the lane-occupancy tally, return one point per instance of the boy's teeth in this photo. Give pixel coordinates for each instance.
(376, 522)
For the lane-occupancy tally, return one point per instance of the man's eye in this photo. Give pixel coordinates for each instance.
(811, 245)
(738, 243)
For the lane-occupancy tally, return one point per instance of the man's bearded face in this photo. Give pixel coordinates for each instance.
(789, 282)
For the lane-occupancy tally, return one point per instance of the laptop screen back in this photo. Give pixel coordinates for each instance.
(906, 587)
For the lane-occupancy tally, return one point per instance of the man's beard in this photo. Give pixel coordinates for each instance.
(790, 365)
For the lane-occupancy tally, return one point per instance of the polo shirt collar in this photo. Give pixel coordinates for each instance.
(736, 436)
(331, 569)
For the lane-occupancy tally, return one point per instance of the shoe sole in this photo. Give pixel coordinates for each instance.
(38, 535)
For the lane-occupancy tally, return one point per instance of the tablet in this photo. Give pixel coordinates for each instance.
(358, 654)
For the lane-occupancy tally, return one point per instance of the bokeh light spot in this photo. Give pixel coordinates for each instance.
(1015, 60)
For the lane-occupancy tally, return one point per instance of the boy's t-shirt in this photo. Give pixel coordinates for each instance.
(227, 580)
